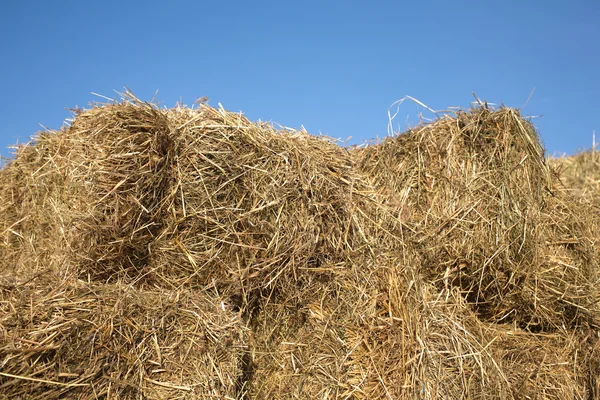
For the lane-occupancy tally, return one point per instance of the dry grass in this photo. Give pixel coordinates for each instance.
(580, 171)
(491, 219)
(580, 174)
(190, 253)
(70, 339)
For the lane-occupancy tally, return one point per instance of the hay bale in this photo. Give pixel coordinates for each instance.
(305, 347)
(255, 206)
(428, 344)
(34, 202)
(69, 339)
(94, 189)
(443, 263)
(297, 352)
(488, 218)
(461, 356)
(580, 172)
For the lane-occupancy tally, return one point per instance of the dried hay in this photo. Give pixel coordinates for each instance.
(463, 357)
(490, 219)
(199, 199)
(33, 206)
(215, 197)
(265, 263)
(430, 345)
(256, 209)
(311, 346)
(70, 339)
(580, 174)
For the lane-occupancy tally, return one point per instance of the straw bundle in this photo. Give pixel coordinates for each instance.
(580, 174)
(489, 218)
(207, 256)
(463, 357)
(62, 338)
(256, 209)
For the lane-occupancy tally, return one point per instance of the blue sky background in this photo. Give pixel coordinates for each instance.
(332, 67)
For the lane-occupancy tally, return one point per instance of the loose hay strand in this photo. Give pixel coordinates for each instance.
(26, 378)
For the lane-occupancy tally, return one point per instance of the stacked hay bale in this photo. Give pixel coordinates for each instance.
(491, 220)
(504, 250)
(581, 175)
(277, 228)
(580, 172)
(191, 253)
(71, 339)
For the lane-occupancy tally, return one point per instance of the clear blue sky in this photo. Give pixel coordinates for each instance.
(333, 67)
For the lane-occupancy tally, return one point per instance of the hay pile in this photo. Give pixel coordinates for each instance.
(268, 224)
(70, 339)
(513, 251)
(490, 218)
(581, 175)
(580, 171)
(189, 253)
